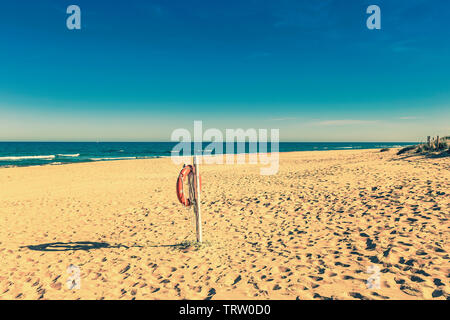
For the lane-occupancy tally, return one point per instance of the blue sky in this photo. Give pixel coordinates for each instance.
(137, 70)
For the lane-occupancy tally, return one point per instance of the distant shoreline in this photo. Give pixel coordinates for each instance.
(165, 157)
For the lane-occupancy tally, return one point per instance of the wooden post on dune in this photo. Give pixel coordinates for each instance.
(429, 142)
(197, 210)
(437, 143)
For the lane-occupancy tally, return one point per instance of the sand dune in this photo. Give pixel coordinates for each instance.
(309, 232)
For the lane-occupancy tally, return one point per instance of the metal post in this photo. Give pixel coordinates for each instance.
(198, 214)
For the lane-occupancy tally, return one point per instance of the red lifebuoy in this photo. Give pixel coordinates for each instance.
(186, 172)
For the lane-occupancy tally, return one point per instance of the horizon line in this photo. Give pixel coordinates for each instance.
(132, 141)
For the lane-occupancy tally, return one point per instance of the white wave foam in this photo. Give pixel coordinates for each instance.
(69, 155)
(118, 158)
(51, 157)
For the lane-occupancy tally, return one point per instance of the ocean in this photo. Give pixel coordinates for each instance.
(46, 153)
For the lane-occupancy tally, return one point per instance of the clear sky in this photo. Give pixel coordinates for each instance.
(139, 69)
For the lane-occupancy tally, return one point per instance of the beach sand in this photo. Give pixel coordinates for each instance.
(309, 232)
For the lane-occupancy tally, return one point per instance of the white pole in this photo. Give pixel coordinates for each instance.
(198, 214)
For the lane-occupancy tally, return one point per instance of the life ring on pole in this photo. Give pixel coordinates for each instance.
(186, 173)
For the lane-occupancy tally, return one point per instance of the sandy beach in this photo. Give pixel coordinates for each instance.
(309, 232)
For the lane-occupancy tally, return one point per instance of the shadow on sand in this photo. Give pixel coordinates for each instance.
(185, 245)
(89, 245)
(73, 246)
(414, 155)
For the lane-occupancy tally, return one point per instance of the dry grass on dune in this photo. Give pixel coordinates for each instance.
(309, 232)
(435, 149)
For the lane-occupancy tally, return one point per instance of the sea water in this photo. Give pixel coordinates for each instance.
(45, 153)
